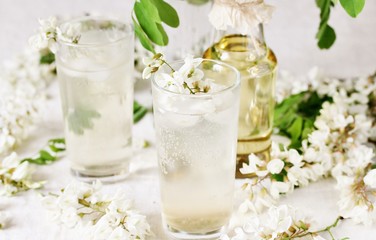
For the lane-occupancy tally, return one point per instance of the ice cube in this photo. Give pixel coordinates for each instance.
(175, 120)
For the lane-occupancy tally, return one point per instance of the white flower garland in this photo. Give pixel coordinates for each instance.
(337, 147)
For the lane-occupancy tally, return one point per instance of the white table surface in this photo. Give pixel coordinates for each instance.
(291, 34)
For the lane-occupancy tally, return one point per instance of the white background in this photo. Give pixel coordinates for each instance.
(291, 35)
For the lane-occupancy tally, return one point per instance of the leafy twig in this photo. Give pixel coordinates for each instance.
(148, 16)
(50, 154)
(326, 35)
(326, 229)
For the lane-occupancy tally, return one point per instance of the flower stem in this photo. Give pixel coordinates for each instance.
(326, 229)
(168, 65)
(185, 85)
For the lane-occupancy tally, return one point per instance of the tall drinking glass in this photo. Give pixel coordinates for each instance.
(96, 86)
(196, 144)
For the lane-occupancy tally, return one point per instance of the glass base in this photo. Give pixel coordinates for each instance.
(115, 175)
(180, 235)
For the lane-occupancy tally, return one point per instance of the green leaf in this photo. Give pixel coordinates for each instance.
(163, 33)
(295, 129)
(308, 128)
(294, 116)
(136, 106)
(148, 18)
(145, 41)
(277, 177)
(46, 155)
(150, 10)
(138, 115)
(56, 141)
(353, 7)
(167, 13)
(47, 58)
(327, 37)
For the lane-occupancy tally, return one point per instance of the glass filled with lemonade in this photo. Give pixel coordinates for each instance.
(196, 144)
(96, 85)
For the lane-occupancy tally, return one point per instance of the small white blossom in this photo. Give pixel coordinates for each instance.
(16, 176)
(277, 188)
(152, 65)
(255, 165)
(69, 32)
(275, 166)
(370, 179)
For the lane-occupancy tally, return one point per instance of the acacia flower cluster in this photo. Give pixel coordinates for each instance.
(188, 79)
(49, 33)
(16, 176)
(102, 216)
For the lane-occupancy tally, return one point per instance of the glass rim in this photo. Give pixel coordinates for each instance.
(205, 95)
(96, 18)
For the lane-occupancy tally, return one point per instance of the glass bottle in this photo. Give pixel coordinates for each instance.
(257, 65)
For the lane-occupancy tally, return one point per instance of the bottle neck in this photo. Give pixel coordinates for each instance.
(252, 44)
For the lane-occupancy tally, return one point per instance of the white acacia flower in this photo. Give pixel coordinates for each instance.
(21, 172)
(298, 176)
(280, 219)
(48, 25)
(276, 152)
(276, 188)
(370, 179)
(9, 162)
(275, 166)
(189, 68)
(255, 165)
(318, 138)
(152, 65)
(16, 176)
(295, 158)
(69, 32)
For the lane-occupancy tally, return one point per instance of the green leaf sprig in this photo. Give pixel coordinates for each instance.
(326, 35)
(295, 116)
(49, 154)
(148, 16)
(139, 111)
